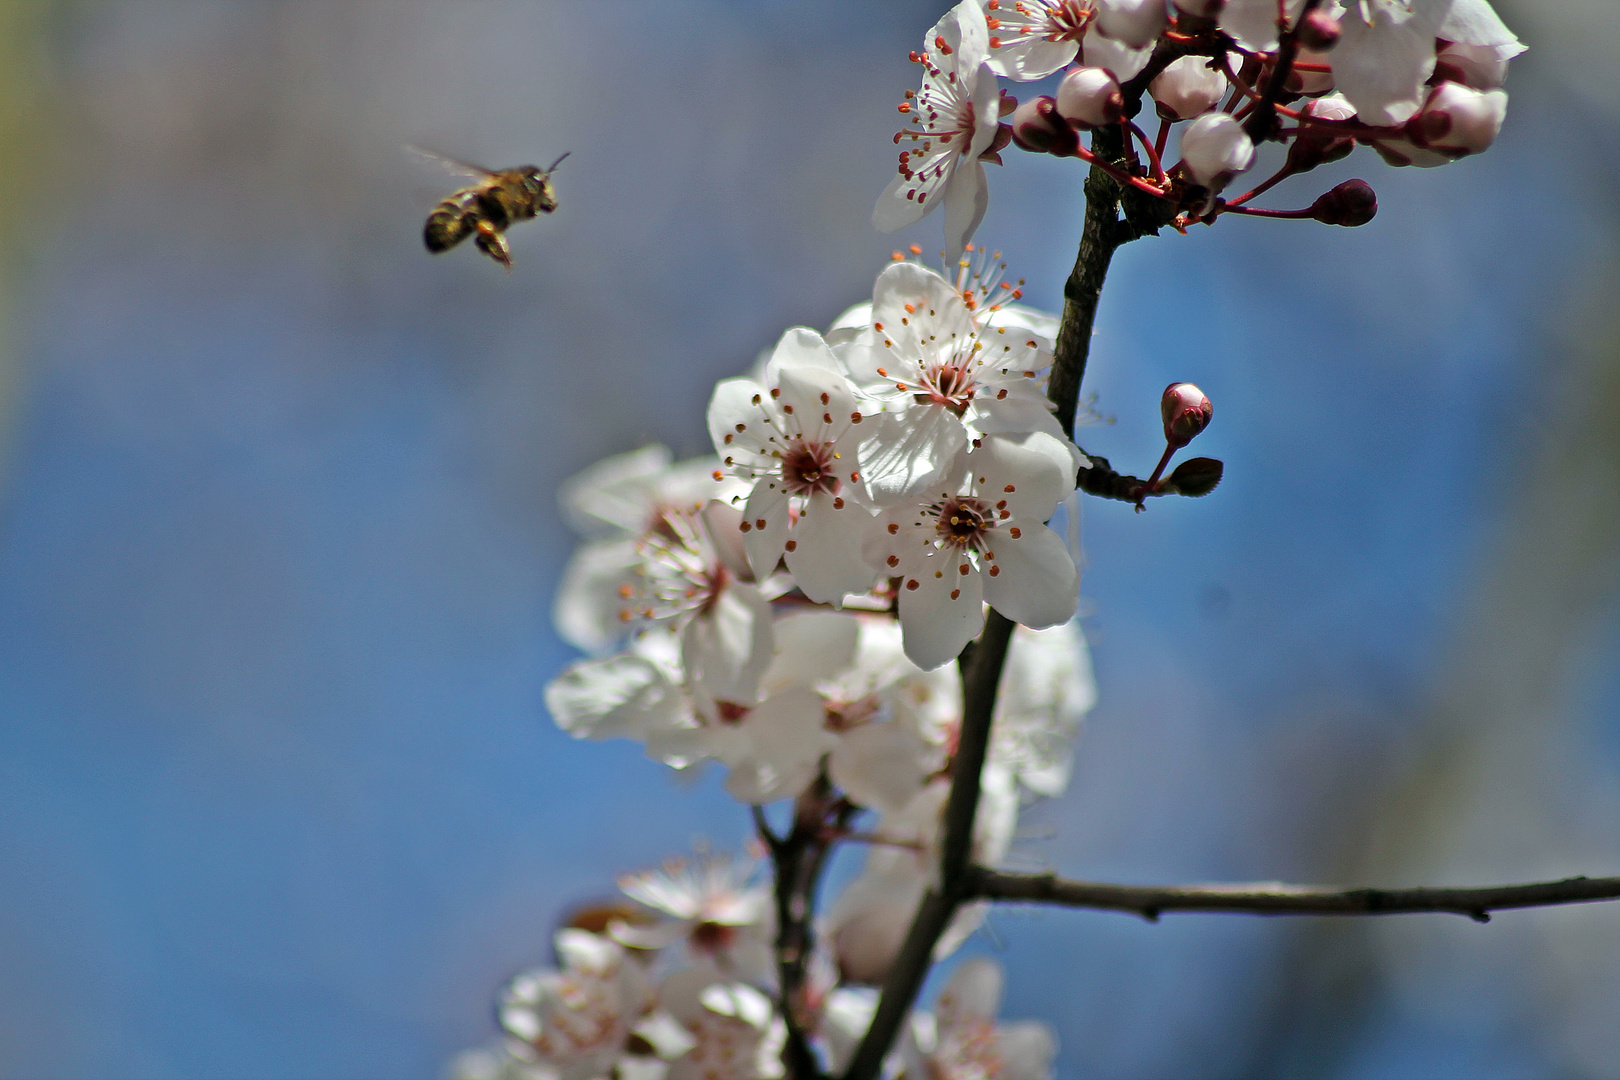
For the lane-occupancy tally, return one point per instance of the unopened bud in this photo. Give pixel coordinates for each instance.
(1214, 149)
(1186, 88)
(1037, 126)
(1458, 120)
(1134, 22)
(1186, 412)
(1194, 477)
(1089, 97)
(1349, 204)
(1319, 30)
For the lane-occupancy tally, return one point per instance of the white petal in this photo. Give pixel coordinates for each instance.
(937, 625)
(1253, 23)
(1137, 22)
(727, 648)
(1381, 67)
(1026, 1050)
(938, 310)
(1038, 585)
(787, 738)
(826, 557)
(967, 197)
(799, 347)
(894, 210)
(1099, 50)
(768, 521)
(596, 495)
(1031, 472)
(973, 993)
(723, 523)
(1475, 22)
(1030, 56)
(816, 402)
(586, 611)
(733, 415)
(881, 766)
(621, 696)
(907, 454)
(811, 646)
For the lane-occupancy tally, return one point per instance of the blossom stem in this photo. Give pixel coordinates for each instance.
(1255, 211)
(1280, 175)
(1152, 151)
(1270, 898)
(1262, 123)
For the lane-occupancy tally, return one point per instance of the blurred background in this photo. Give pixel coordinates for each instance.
(278, 538)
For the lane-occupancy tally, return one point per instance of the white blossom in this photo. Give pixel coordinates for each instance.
(962, 1041)
(980, 535)
(577, 1023)
(956, 114)
(1253, 23)
(1090, 97)
(715, 903)
(939, 379)
(735, 1032)
(794, 441)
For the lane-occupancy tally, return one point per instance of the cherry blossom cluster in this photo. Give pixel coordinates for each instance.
(678, 984)
(1417, 80)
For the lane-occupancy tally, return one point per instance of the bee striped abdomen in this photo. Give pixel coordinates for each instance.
(451, 222)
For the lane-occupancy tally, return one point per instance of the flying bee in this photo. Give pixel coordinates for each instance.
(486, 209)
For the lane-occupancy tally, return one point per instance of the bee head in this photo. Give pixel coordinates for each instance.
(537, 183)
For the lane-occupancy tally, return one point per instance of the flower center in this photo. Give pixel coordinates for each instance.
(1067, 20)
(712, 937)
(948, 383)
(963, 521)
(807, 468)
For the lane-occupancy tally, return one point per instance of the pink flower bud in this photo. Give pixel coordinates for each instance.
(1135, 22)
(1214, 149)
(1036, 126)
(1318, 30)
(1089, 97)
(1477, 66)
(1458, 120)
(1314, 147)
(1188, 87)
(1349, 204)
(1186, 412)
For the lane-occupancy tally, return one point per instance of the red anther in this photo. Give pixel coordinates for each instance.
(1349, 204)
(1186, 412)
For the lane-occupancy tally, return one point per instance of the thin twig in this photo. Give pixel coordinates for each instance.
(1269, 898)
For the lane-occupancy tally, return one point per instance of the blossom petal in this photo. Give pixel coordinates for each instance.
(905, 457)
(1026, 1050)
(1032, 472)
(1475, 22)
(882, 765)
(973, 993)
(599, 495)
(727, 648)
(811, 646)
(734, 417)
(723, 523)
(786, 739)
(938, 625)
(826, 556)
(967, 197)
(799, 347)
(767, 521)
(908, 297)
(1381, 64)
(1038, 585)
(589, 600)
(815, 401)
(618, 697)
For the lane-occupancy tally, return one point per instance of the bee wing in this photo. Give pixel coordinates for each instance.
(459, 168)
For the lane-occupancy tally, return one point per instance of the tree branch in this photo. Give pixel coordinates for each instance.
(1270, 898)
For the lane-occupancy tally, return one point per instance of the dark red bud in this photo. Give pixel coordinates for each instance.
(1194, 477)
(1186, 412)
(1318, 31)
(1349, 204)
(1430, 125)
(1008, 103)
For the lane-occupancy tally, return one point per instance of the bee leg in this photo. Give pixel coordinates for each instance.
(492, 243)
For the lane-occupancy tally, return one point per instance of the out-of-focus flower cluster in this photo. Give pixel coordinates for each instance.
(681, 986)
(1417, 80)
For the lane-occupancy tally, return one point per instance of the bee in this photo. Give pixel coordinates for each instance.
(486, 209)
